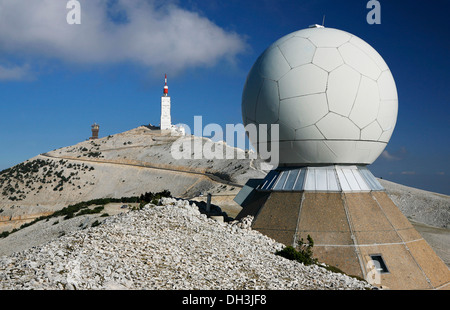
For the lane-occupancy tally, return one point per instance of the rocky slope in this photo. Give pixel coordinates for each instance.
(420, 206)
(172, 246)
(123, 165)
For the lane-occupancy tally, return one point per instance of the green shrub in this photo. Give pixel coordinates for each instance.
(304, 253)
(96, 223)
(69, 216)
(4, 234)
(150, 197)
(94, 154)
(91, 211)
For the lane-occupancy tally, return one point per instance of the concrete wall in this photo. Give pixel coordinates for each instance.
(349, 227)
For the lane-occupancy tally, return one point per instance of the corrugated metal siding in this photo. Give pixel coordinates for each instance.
(324, 179)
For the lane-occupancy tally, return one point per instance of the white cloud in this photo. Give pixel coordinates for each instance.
(388, 156)
(145, 32)
(408, 172)
(400, 154)
(15, 73)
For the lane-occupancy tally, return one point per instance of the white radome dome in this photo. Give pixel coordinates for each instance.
(331, 93)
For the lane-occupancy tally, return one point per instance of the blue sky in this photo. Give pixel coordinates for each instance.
(57, 79)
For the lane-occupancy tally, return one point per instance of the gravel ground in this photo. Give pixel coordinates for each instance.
(168, 247)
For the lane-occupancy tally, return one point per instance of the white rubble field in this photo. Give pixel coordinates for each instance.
(172, 246)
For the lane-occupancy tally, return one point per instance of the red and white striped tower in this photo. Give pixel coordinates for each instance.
(166, 88)
(166, 123)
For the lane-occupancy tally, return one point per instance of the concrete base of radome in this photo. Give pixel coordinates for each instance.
(349, 229)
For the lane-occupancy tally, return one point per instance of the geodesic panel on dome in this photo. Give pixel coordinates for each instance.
(297, 51)
(285, 131)
(266, 111)
(369, 50)
(250, 95)
(366, 105)
(357, 59)
(386, 136)
(282, 40)
(327, 58)
(386, 86)
(343, 85)
(387, 114)
(334, 126)
(304, 80)
(297, 113)
(273, 64)
(328, 37)
(308, 133)
(371, 132)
